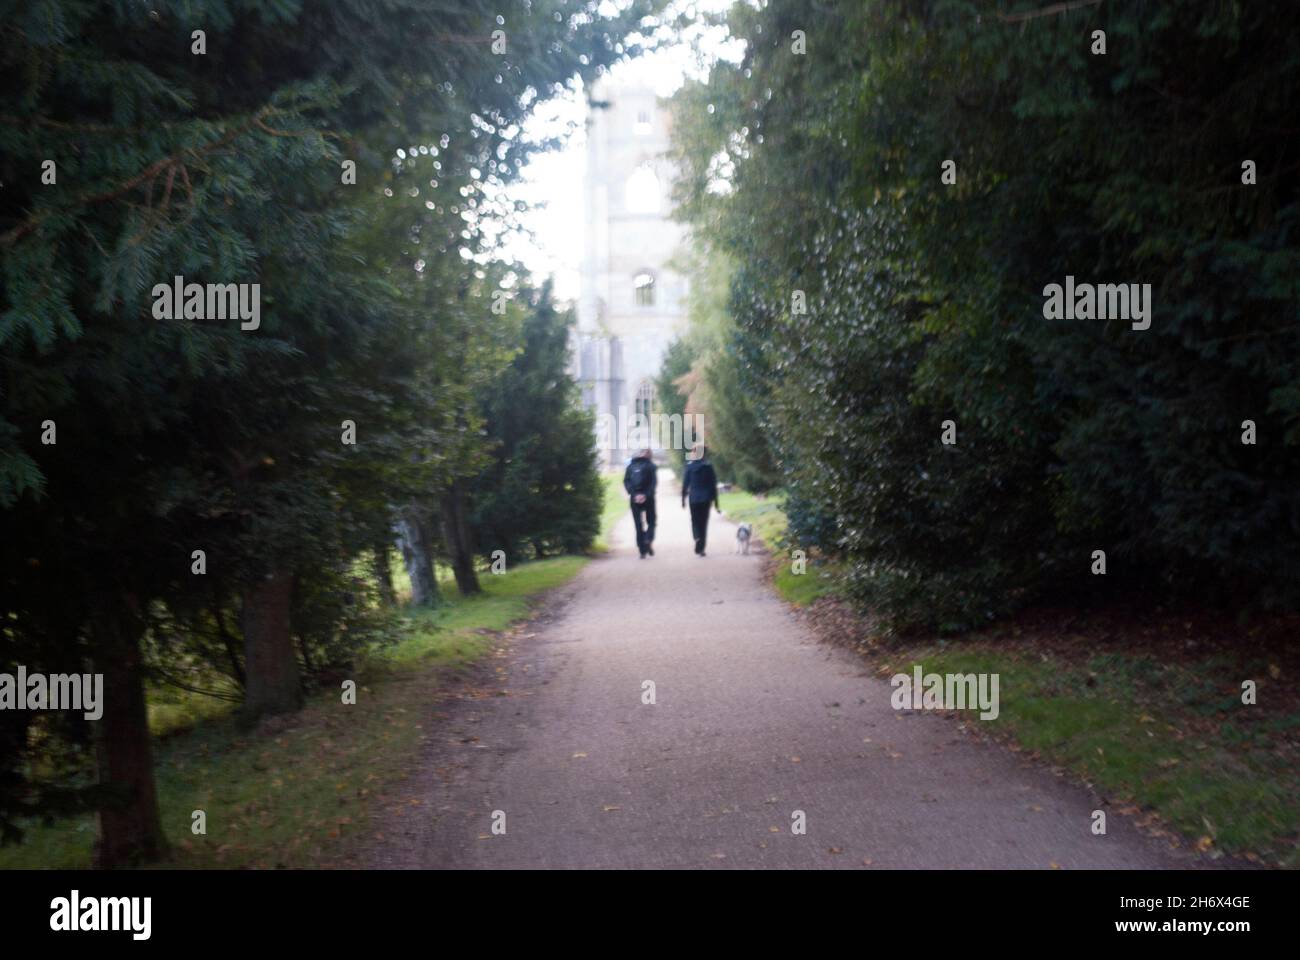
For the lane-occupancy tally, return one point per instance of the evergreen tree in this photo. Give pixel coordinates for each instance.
(541, 491)
(133, 151)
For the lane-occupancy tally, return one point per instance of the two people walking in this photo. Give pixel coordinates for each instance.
(699, 488)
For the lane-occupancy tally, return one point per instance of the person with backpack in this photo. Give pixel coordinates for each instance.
(640, 480)
(700, 486)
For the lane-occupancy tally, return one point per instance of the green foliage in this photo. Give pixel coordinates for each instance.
(1160, 731)
(298, 798)
(925, 300)
(190, 433)
(702, 373)
(733, 426)
(540, 492)
(677, 363)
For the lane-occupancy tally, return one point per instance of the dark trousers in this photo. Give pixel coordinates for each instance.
(647, 510)
(700, 524)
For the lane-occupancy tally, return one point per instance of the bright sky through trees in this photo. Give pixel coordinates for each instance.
(552, 181)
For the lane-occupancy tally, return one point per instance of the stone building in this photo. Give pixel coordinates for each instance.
(631, 302)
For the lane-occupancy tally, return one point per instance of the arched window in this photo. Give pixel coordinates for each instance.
(643, 191)
(643, 285)
(645, 398)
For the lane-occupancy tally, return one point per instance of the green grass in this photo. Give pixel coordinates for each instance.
(300, 796)
(764, 513)
(459, 630)
(1173, 738)
(172, 710)
(819, 579)
(1166, 736)
(615, 509)
(767, 515)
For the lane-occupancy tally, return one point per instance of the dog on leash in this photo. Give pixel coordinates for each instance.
(743, 533)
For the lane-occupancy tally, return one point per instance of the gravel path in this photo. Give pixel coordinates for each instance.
(754, 719)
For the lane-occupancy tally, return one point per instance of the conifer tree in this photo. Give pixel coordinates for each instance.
(131, 153)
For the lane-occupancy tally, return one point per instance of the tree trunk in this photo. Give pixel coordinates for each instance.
(270, 662)
(455, 531)
(384, 574)
(417, 554)
(130, 829)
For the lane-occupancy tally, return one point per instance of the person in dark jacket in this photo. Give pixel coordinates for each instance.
(640, 480)
(700, 487)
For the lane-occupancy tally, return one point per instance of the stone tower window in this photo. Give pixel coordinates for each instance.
(645, 398)
(643, 191)
(642, 126)
(643, 285)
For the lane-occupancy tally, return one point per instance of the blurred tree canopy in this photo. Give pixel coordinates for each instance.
(703, 375)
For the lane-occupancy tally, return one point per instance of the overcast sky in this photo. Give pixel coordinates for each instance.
(552, 182)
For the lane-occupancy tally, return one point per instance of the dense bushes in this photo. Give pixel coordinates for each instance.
(924, 298)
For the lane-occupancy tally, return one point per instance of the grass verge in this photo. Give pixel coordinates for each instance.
(1145, 706)
(1159, 733)
(615, 509)
(766, 514)
(290, 793)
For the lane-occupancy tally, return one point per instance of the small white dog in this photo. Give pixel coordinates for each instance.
(743, 533)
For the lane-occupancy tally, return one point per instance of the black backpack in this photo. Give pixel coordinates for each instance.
(639, 475)
(700, 477)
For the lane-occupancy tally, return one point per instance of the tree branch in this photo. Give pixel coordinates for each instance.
(147, 174)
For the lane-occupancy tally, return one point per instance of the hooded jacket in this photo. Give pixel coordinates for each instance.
(700, 483)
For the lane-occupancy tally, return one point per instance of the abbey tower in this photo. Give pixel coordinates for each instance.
(631, 302)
